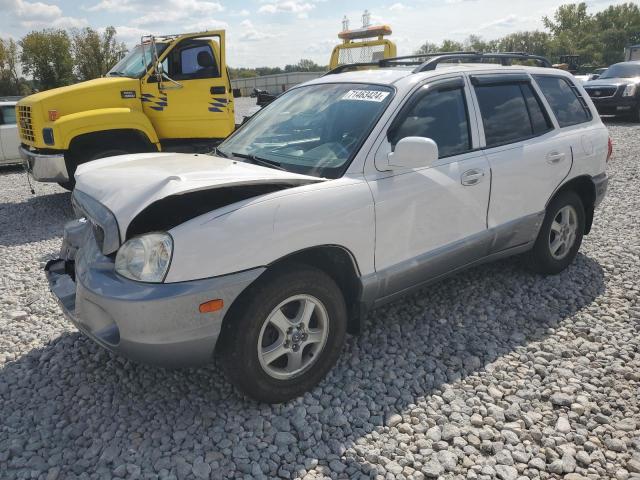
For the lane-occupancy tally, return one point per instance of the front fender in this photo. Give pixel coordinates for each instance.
(260, 231)
(70, 126)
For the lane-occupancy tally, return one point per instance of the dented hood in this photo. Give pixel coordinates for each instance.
(127, 184)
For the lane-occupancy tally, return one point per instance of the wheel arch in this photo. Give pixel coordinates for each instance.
(336, 261)
(107, 138)
(585, 188)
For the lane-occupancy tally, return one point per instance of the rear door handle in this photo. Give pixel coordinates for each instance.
(555, 157)
(472, 177)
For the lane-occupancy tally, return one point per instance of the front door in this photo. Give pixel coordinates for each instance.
(194, 99)
(431, 220)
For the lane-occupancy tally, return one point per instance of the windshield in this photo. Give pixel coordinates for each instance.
(622, 70)
(314, 130)
(133, 64)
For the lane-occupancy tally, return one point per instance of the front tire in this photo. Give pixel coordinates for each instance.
(560, 235)
(286, 334)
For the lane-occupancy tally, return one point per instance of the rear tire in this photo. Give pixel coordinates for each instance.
(284, 334)
(560, 235)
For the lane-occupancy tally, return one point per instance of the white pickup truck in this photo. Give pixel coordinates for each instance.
(345, 193)
(9, 142)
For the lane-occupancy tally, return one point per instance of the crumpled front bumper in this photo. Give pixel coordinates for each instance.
(45, 167)
(157, 324)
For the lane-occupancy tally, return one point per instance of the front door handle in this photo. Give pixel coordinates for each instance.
(555, 157)
(218, 90)
(472, 177)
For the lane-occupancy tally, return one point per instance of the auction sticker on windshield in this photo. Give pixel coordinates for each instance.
(365, 95)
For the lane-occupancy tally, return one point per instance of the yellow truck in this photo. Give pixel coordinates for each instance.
(169, 93)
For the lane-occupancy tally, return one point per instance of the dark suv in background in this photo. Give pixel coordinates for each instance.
(617, 90)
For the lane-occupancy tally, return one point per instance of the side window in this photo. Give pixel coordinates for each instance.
(193, 62)
(8, 115)
(540, 121)
(441, 116)
(567, 104)
(510, 113)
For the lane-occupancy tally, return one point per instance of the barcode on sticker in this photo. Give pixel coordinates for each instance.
(365, 95)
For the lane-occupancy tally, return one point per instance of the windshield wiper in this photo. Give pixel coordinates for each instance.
(115, 74)
(259, 161)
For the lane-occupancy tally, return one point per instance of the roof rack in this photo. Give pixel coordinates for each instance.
(435, 58)
(476, 57)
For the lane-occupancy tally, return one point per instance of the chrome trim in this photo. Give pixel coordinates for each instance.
(99, 216)
(44, 168)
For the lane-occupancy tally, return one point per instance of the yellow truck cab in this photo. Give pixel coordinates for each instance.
(169, 93)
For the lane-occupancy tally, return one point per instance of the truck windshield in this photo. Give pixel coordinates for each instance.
(136, 62)
(313, 130)
(622, 70)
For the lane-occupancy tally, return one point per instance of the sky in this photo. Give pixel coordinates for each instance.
(280, 32)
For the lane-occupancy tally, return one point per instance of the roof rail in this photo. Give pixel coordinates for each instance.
(412, 59)
(351, 66)
(436, 58)
(10, 98)
(504, 58)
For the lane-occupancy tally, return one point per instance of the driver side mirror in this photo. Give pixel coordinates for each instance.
(413, 152)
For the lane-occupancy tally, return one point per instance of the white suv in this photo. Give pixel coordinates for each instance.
(343, 194)
(9, 141)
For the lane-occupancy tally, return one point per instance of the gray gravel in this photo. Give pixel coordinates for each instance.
(495, 373)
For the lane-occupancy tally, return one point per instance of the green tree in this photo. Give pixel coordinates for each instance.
(428, 47)
(46, 55)
(617, 26)
(451, 46)
(534, 42)
(9, 80)
(95, 54)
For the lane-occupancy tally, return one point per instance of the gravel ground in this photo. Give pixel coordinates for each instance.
(495, 373)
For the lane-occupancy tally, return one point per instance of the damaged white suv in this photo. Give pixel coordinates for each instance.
(344, 193)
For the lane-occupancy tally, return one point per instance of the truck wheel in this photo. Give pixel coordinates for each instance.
(94, 155)
(286, 335)
(560, 236)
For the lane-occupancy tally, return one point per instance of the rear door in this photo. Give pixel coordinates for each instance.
(8, 134)
(431, 220)
(527, 156)
(198, 103)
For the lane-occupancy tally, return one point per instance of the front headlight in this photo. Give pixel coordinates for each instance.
(630, 90)
(145, 258)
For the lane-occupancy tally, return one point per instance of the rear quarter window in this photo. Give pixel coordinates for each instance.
(564, 99)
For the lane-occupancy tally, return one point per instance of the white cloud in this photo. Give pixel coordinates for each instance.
(112, 6)
(398, 7)
(31, 15)
(287, 6)
(509, 21)
(251, 34)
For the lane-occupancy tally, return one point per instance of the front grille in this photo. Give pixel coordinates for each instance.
(24, 123)
(601, 92)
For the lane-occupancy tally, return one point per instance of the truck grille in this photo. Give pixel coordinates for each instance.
(601, 92)
(24, 123)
